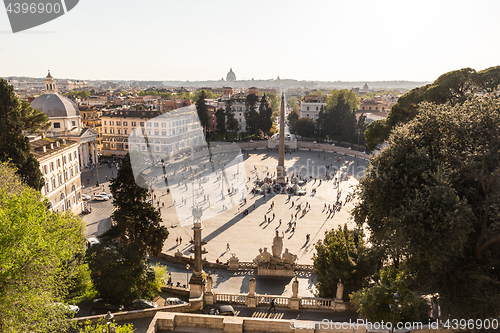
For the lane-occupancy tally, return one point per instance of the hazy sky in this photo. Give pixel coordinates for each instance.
(306, 40)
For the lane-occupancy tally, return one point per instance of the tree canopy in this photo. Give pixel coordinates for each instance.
(338, 119)
(201, 107)
(431, 199)
(342, 255)
(252, 117)
(14, 146)
(36, 246)
(453, 87)
(304, 127)
(137, 221)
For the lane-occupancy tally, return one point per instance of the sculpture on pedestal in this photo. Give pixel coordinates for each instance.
(275, 264)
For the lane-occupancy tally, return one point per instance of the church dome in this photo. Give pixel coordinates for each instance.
(230, 75)
(55, 106)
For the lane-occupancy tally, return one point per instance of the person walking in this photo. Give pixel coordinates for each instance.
(227, 247)
(273, 305)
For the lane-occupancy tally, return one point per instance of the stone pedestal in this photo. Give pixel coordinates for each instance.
(261, 271)
(294, 303)
(251, 302)
(196, 286)
(234, 263)
(209, 298)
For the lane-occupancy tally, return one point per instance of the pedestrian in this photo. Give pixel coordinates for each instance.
(106, 178)
(273, 303)
(293, 202)
(180, 240)
(177, 241)
(163, 204)
(227, 247)
(273, 216)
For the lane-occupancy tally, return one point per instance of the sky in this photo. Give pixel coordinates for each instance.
(324, 40)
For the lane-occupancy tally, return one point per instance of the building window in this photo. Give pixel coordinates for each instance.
(163, 125)
(316, 108)
(105, 122)
(118, 123)
(156, 124)
(113, 145)
(134, 123)
(164, 133)
(74, 154)
(73, 123)
(53, 183)
(57, 125)
(60, 180)
(141, 123)
(111, 131)
(64, 159)
(369, 108)
(66, 175)
(111, 123)
(46, 188)
(125, 123)
(118, 131)
(68, 204)
(307, 108)
(125, 132)
(126, 147)
(157, 132)
(71, 173)
(45, 169)
(70, 157)
(105, 131)
(76, 169)
(61, 197)
(51, 166)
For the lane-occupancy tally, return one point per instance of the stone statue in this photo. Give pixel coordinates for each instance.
(295, 287)
(278, 244)
(258, 258)
(340, 290)
(266, 256)
(209, 283)
(288, 257)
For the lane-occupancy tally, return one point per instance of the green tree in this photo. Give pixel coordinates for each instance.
(453, 87)
(14, 146)
(201, 107)
(374, 302)
(231, 122)
(431, 198)
(265, 113)
(122, 273)
(342, 255)
(35, 247)
(101, 326)
(292, 118)
(292, 102)
(220, 116)
(137, 221)
(208, 95)
(339, 120)
(251, 115)
(304, 127)
(33, 120)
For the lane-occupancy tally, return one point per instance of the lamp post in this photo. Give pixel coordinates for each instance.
(187, 273)
(397, 296)
(109, 316)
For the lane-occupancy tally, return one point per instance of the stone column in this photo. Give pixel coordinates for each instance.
(80, 156)
(196, 283)
(96, 156)
(251, 300)
(280, 169)
(86, 154)
(93, 151)
(295, 299)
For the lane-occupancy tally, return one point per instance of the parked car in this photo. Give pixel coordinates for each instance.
(92, 241)
(174, 301)
(103, 305)
(223, 310)
(70, 310)
(86, 197)
(106, 194)
(139, 304)
(99, 197)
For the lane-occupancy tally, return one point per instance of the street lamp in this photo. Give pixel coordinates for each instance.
(397, 296)
(187, 273)
(109, 316)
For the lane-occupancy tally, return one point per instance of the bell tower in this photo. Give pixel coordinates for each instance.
(50, 84)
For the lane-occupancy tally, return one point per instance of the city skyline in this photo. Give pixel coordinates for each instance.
(200, 41)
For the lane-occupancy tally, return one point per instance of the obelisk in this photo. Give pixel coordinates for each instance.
(280, 169)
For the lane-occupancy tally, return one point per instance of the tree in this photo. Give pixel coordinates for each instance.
(221, 121)
(137, 221)
(374, 302)
(304, 127)
(33, 120)
(292, 102)
(122, 273)
(251, 115)
(36, 246)
(208, 95)
(453, 87)
(342, 255)
(14, 146)
(292, 118)
(338, 119)
(265, 113)
(101, 326)
(431, 199)
(201, 107)
(231, 122)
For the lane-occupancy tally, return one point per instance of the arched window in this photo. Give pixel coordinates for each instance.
(61, 197)
(73, 188)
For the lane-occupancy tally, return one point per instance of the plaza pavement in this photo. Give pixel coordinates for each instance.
(245, 233)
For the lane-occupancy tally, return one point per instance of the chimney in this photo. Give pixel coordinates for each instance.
(44, 149)
(52, 145)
